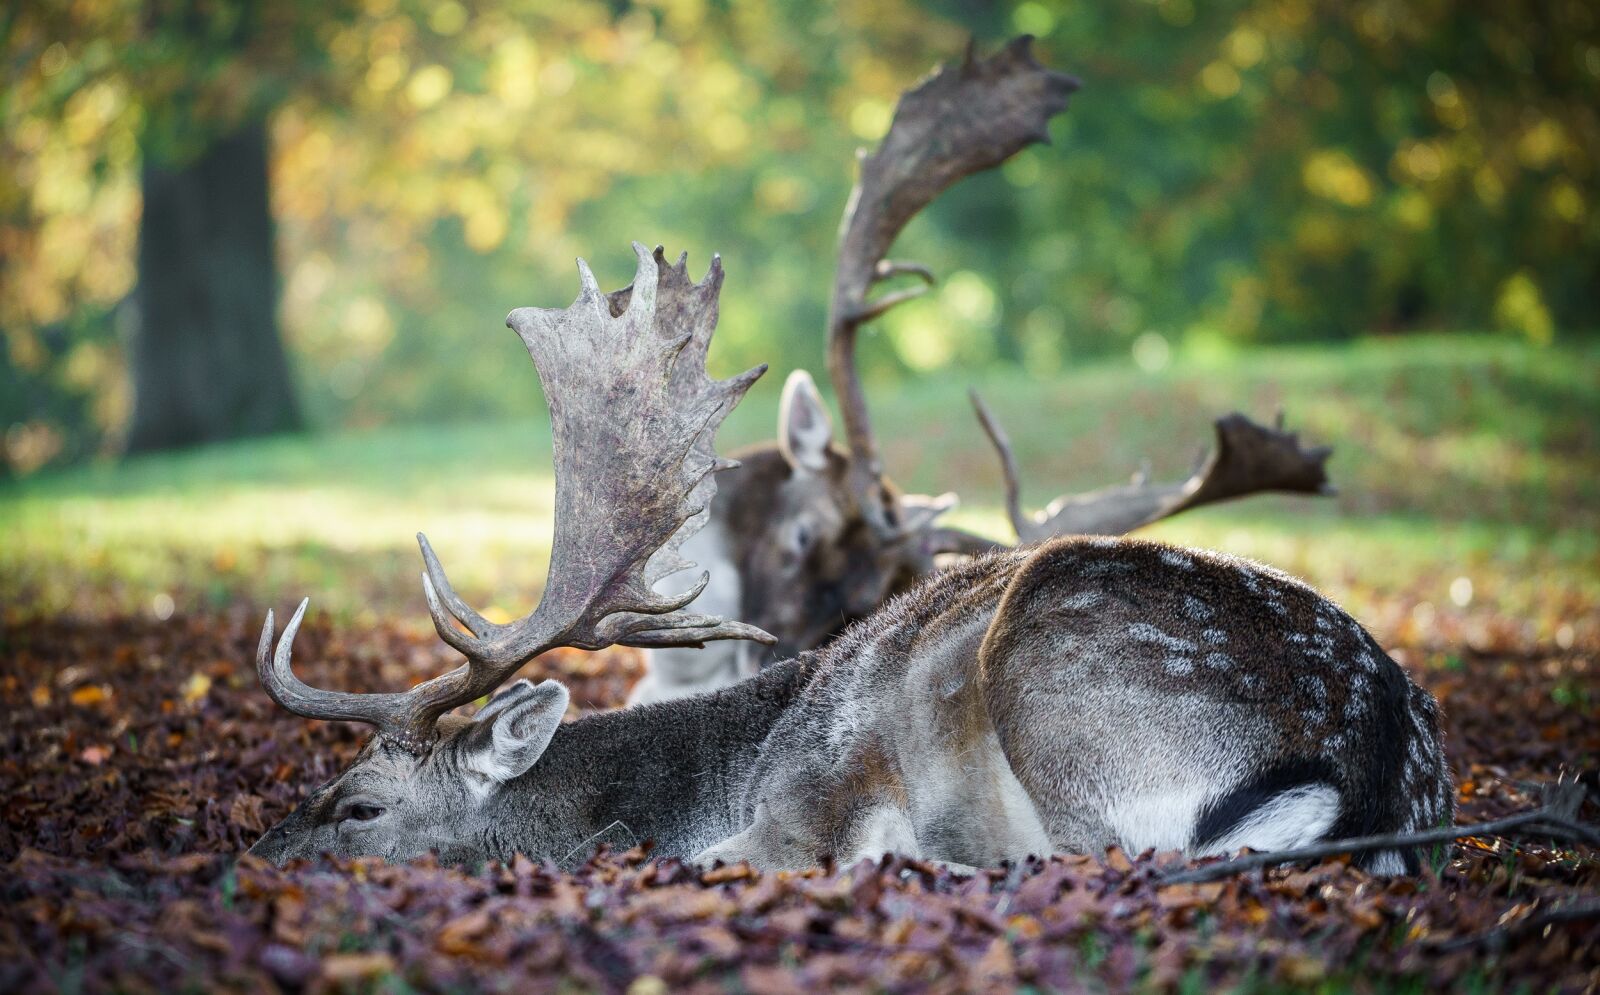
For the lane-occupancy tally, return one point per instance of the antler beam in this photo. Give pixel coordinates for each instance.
(959, 121)
(634, 417)
(1248, 459)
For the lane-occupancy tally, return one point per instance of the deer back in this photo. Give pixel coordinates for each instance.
(1179, 685)
(1096, 692)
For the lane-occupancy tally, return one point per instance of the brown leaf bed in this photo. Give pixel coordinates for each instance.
(140, 759)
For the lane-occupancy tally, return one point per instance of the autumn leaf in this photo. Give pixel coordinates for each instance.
(89, 694)
(196, 687)
(134, 829)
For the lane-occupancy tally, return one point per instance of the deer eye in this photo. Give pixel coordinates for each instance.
(359, 812)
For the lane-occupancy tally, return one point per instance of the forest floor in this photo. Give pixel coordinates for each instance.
(139, 758)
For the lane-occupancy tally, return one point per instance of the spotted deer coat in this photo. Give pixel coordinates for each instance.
(1090, 693)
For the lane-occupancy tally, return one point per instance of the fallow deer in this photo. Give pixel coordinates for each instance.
(810, 535)
(1080, 694)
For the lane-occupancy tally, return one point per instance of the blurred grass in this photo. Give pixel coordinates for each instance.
(1471, 458)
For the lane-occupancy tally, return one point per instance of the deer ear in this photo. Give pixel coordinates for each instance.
(804, 428)
(514, 729)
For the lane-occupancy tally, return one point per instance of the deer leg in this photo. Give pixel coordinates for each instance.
(882, 829)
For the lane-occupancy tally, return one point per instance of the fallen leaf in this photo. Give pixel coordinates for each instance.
(89, 694)
(196, 687)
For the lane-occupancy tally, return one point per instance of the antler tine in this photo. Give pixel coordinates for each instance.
(633, 416)
(1008, 463)
(960, 120)
(1248, 459)
(277, 676)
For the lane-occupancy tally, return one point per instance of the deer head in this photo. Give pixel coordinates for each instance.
(808, 559)
(634, 417)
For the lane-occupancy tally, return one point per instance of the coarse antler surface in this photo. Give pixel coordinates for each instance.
(961, 120)
(1248, 458)
(634, 417)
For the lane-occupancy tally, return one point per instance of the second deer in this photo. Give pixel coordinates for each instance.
(810, 534)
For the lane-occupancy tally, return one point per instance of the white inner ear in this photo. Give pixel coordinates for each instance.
(804, 427)
(510, 737)
(509, 695)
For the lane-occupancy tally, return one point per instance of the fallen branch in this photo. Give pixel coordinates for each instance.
(1556, 818)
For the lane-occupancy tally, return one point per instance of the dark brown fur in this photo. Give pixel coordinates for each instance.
(842, 577)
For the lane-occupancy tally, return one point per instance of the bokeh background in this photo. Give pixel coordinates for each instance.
(1376, 215)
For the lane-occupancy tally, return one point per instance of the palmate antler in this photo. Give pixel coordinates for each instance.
(1248, 459)
(634, 417)
(959, 121)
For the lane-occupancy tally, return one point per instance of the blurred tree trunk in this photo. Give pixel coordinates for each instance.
(208, 362)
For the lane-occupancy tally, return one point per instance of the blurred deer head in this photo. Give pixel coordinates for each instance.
(809, 558)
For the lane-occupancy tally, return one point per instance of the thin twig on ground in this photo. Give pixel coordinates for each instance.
(1556, 818)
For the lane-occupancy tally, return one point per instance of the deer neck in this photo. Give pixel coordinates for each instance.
(669, 772)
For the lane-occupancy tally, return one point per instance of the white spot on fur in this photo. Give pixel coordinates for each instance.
(1214, 636)
(1196, 609)
(1082, 600)
(1387, 863)
(1297, 817)
(1179, 665)
(1220, 661)
(1173, 558)
(1312, 687)
(1144, 632)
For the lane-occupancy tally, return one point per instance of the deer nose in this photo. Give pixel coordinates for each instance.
(270, 846)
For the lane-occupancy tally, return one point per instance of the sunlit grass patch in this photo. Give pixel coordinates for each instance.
(1459, 462)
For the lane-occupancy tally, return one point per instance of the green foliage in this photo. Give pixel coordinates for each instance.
(1231, 173)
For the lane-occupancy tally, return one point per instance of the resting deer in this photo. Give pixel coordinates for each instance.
(810, 535)
(1065, 697)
